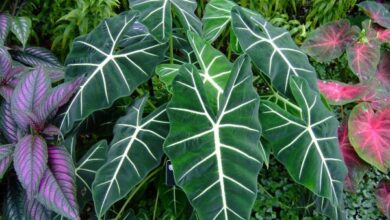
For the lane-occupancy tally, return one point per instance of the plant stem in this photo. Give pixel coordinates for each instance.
(140, 185)
(269, 195)
(139, 91)
(171, 49)
(155, 204)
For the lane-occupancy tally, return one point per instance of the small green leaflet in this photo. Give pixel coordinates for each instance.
(167, 72)
(134, 151)
(215, 68)
(307, 146)
(21, 27)
(217, 171)
(216, 18)
(115, 58)
(157, 16)
(272, 50)
(86, 169)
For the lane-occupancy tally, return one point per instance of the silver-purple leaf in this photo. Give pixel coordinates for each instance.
(8, 126)
(30, 92)
(5, 61)
(57, 188)
(30, 162)
(35, 56)
(57, 97)
(33, 210)
(21, 27)
(4, 27)
(13, 201)
(6, 152)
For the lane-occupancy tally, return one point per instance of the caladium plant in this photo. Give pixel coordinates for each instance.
(44, 170)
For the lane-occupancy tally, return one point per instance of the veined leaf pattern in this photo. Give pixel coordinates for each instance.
(115, 58)
(272, 50)
(217, 171)
(134, 151)
(307, 146)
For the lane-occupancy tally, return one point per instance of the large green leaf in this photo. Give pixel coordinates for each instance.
(307, 146)
(215, 68)
(86, 169)
(272, 49)
(216, 18)
(217, 170)
(157, 15)
(134, 151)
(115, 58)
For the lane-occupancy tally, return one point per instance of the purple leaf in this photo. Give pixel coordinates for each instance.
(30, 162)
(58, 97)
(13, 201)
(4, 26)
(7, 124)
(6, 152)
(51, 132)
(33, 210)
(57, 188)
(5, 61)
(35, 56)
(28, 94)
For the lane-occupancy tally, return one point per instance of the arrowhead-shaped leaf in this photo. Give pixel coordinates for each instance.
(216, 18)
(363, 59)
(115, 58)
(30, 162)
(21, 27)
(5, 23)
(383, 197)
(377, 12)
(383, 72)
(326, 208)
(57, 188)
(307, 145)
(86, 170)
(328, 42)
(369, 134)
(338, 93)
(134, 151)
(30, 92)
(35, 56)
(6, 153)
(215, 68)
(157, 15)
(217, 172)
(8, 126)
(357, 168)
(271, 49)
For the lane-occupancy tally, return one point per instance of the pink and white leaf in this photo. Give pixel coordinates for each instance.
(338, 93)
(30, 162)
(363, 59)
(383, 197)
(356, 166)
(328, 42)
(377, 12)
(369, 134)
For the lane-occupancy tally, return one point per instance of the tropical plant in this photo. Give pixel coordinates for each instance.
(364, 136)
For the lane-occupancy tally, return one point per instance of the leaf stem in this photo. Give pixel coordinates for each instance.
(139, 91)
(155, 204)
(171, 48)
(269, 195)
(132, 194)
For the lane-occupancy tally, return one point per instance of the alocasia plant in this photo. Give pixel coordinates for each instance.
(215, 129)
